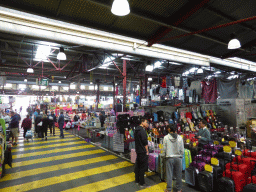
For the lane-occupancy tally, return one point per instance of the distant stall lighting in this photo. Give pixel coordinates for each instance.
(234, 44)
(59, 81)
(65, 88)
(61, 55)
(22, 86)
(150, 79)
(82, 87)
(200, 70)
(91, 83)
(120, 7)
(30, 70)
(72, 86)
(149, 68)
(8, 85)
(25, 80)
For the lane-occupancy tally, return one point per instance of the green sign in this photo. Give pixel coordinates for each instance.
(42, 82)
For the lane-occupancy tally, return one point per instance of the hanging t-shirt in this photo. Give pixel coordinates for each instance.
(197, 86)
(177, 81)
(209, 91)
(227, 88)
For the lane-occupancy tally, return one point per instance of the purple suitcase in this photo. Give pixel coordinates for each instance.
(153, 161)
(198, 165)
(206, 159)
(133, 155)
(207, 152)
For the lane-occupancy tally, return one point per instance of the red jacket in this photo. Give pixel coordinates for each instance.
(26, 123)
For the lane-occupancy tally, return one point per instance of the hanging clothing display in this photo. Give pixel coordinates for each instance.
(197, 86)
(177, 81)
(227, 88)
(168, 81)
(245, 91)
(185, 82)
(209, 91)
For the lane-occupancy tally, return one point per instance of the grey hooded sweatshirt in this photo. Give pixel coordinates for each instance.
(173, 145)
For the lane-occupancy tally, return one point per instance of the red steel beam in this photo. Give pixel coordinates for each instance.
(182, 15)
(124, 84)
(208, 29)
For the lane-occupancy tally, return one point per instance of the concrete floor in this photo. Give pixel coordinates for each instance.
(71, 164)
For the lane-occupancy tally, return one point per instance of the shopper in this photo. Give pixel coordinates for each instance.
(173, 150)
(203, 135)
(102, 119)
(7, 118)
(14, 126)
(141, 148)
(61, 124)
(44, 127)
(26, 125)
(52, 120)
(76, 117)
(39, 124)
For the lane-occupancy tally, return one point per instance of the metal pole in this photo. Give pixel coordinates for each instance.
(114, 93)
(124, 85)
(98, 96)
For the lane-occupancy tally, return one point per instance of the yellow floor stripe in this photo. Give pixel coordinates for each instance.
(105, 184)
(49, 138)
(68, 177)
(45, 142)
(47, 146)
(54, 158)
(52, 151)
(21, 174)
(159, 187)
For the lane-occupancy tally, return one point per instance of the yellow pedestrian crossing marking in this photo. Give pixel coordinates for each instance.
(55, 158)
(105, 184)
(159, 187)
(51, 151)
(68, 177)
(27, 173)
(50, 141)
(48, 138)
(47, 146)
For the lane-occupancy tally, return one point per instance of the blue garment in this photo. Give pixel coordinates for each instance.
(61, 129)
(14, 121)
(35, 114)
(138, 99)
(61, 119)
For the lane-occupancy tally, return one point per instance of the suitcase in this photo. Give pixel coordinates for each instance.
(198, 165)
(205, 159)
(243, 168)
(225, 184)
(191, 176)
(252, 186)
(162, 167)
(133, 156)
(222, 155)
(205, 181)
(217, 174)
(153, 161)
(238, 178)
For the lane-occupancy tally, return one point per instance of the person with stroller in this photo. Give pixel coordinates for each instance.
(26, 125)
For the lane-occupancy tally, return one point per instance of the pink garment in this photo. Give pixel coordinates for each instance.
(209, 91)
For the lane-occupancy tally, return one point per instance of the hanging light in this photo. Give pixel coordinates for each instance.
(91, 83)
(30, 70)
(61, 55)
(150, 79)
(200, 70)
(59, 81)
(120, 7)
(234, 43)
(25, 80)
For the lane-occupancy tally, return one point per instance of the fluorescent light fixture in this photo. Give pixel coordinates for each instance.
(25, 80)
(55, 88)
(149, 68)
(35, 87)
(43, 52)
(30, 70)
(174, 63)
(73, 86)
(192, 70)
(59, 81)
(82, 87)
(61, 55)
(120, 7)
(43, 87)
(218, 72)
(157, 64)
(234, 44)
(91, 87)
(150, 79)
(8, 85)
(200, 71)
(233, 77)
(105, 88)
(65, 88)
(22, 86)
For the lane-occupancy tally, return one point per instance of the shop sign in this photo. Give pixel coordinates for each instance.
(232, 144)
(227, 149)
(214, 161)
(238, 152)
(42, 82)
(208, 168)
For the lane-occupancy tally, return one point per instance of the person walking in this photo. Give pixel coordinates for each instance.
(26, 125)
(102, 119)
(44, 127)
(52, 120)
(141, 148)
(39, 124)
(203, 135)
(14, 126)
(173, 150)
(61, 124)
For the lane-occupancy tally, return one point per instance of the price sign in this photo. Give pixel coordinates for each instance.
(208, 168)
(232, 144)
(216, 143)
(194, 144)
(188, 141)
(223, 140)
(238, 152)
(227, 149)
(214, 161)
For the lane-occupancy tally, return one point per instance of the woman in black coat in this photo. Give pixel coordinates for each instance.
(45, 121)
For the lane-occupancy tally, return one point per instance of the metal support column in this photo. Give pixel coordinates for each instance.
(98, 96)
(124, 85)
(141, 91)
(146, 86)
(114, 94)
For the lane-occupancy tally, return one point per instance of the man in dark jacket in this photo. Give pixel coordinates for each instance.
(26, 125)
(38, 124)
(61, 124)
(102, 119)
(204, 135)
(141, 148)
(14, 126)
(52, 121)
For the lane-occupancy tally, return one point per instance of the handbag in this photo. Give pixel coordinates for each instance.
(40, 124)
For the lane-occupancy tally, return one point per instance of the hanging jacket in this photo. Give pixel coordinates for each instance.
(173, 145)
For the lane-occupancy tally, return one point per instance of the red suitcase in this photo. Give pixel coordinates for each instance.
(238, 178)
(243, 168)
